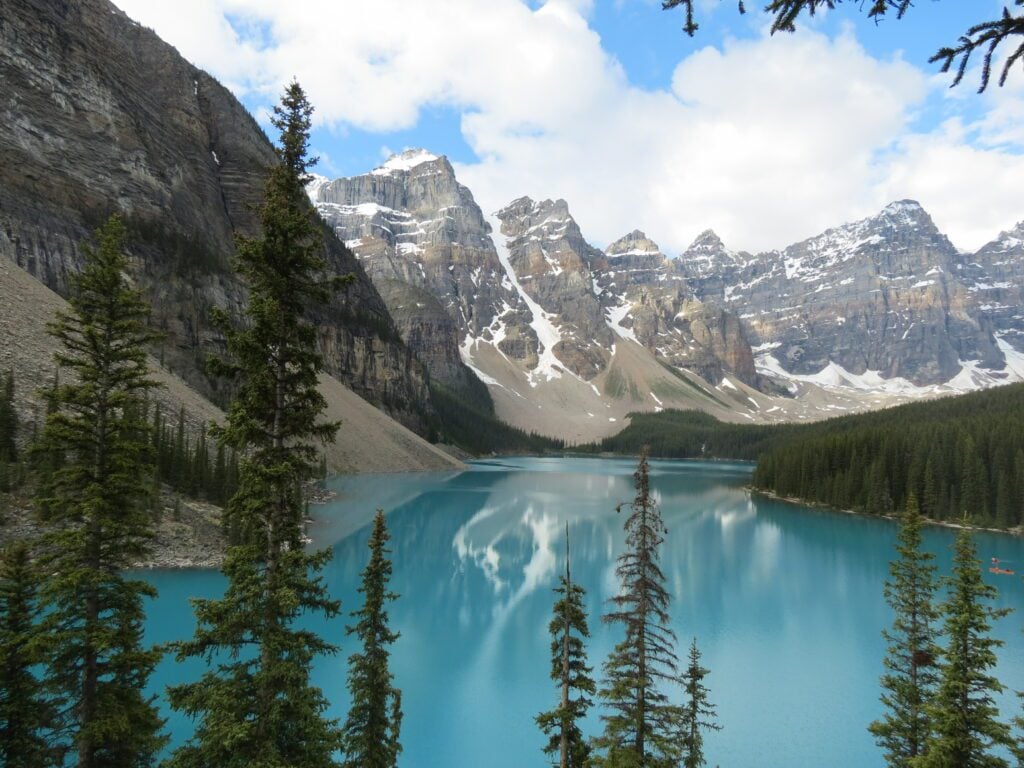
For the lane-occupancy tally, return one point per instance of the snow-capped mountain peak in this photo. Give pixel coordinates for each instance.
(636, 243)
(404, 161)
(313, 186)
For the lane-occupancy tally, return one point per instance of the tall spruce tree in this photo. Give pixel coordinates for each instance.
(257, 705)
(965, 724)
(698, 711)
(8, 421)
(911, 662)
(569, 670)
(375, 717)
(27, 712)
(641, 729)
(95, 495)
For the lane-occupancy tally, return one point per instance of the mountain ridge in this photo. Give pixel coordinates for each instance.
(850, 319)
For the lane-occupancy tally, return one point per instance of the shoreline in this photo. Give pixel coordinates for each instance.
(1015, 532)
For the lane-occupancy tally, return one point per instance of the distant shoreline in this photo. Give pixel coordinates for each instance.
(1015, 532)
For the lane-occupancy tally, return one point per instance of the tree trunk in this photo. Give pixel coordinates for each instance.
(563, 746)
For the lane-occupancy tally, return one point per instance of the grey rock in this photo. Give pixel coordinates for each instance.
(880, 294)
(101, 116)
(411, 221)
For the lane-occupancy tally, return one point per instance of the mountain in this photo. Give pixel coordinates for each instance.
(101, 116)
(570, 338)
(533, 310)
(994, 276)
(884, 299)
(423, 240)
(514, 312)
(649, 300)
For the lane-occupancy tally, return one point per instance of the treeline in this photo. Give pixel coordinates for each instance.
(191, 465)
(188, 465)
(959, 456)
(673, 434)
(11, 468)
(468, 422)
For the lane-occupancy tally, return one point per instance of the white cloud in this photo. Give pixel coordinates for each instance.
(766, 140)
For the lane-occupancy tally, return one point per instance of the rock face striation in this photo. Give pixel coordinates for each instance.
(101, 116)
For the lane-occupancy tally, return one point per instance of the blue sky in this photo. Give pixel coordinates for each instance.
(649, 43)
(608, 104)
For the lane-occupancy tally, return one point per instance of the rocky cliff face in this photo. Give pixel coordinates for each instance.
(868, 313)
(101, 116)
(524, 281)
(882, 296)
(994, 278)
(646, 298)
(552, 265)
(411, 223)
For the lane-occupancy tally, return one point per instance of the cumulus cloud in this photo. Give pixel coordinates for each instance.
(767, 140)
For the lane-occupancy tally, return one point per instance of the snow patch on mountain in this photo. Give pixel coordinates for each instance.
(615, 317)
(971, 377)
(316, 181)
(548, 334)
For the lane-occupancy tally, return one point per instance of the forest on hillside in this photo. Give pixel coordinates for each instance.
(959, 456)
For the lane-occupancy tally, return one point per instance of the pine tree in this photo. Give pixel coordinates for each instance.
(27, 713)
(179, 457)
(218, 492)
(569, 670)
(911, 676)
(930, 499)
(963, 711)
(8, 421)
(375, 717)
(642, 727)
(257, 706)
(698, 711)
(95, 495)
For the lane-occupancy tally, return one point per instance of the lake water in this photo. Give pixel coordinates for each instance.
(785, 602)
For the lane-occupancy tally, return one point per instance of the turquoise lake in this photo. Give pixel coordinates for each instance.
(785, 602)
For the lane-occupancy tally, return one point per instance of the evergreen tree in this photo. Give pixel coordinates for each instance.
(375, 717)
(8, 421)
(1018, 740)
(911, 677)
(569, 669)
(930, 495)
(963, 712)
(96, 498)
(257, 706)
(698, 711)
(179, 456)
(27, 713)
(642, 727)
